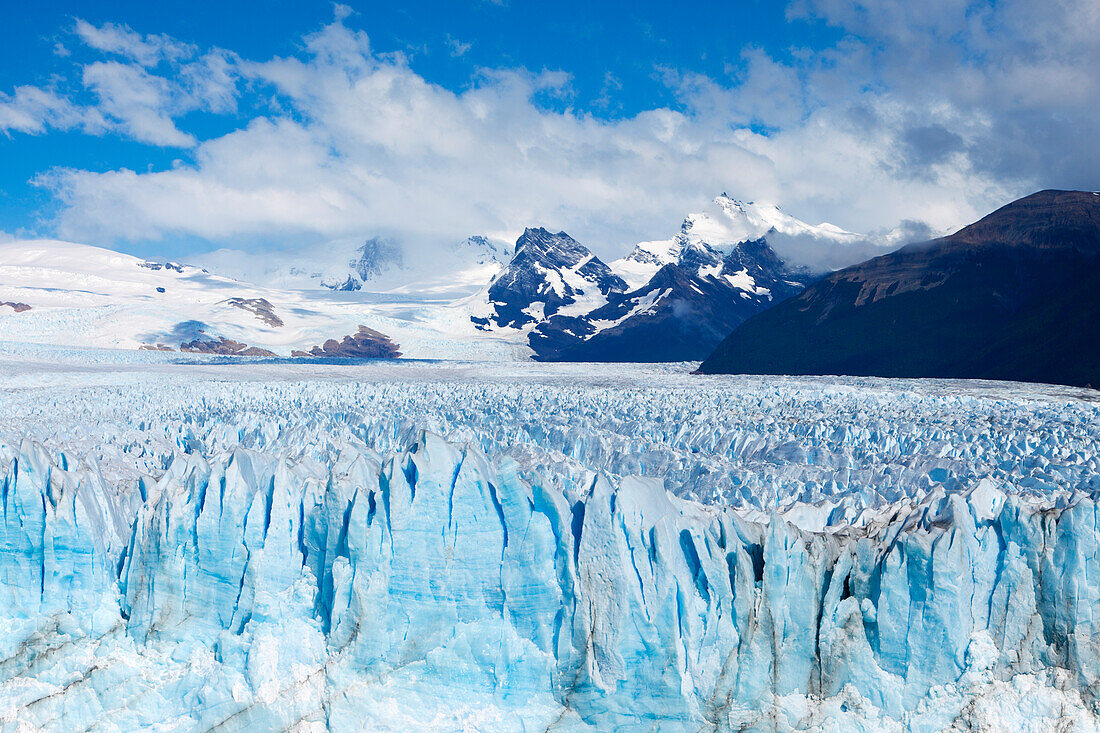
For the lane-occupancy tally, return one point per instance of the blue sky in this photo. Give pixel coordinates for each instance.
(170, 128)
(616, 54)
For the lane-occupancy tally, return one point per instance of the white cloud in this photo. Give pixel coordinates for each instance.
(932, 112)
(142, 103)
(131, 98)
(139, 103)
(32, 110)
(118, 39)
(209, 82)
(457, 47)
(370, 147)
(1013, 79)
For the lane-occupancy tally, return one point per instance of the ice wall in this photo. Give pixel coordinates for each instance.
(432, 587)
(757, 444)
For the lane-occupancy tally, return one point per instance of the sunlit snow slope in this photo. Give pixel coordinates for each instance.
(474, 547)
(80, 295)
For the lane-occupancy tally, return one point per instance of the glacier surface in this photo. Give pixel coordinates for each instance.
(542, 547)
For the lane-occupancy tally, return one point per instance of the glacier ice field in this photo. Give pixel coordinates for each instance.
(398, 546)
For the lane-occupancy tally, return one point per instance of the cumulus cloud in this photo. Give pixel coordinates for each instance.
(143, 105)
(146, 50)
(133, 97)
(138, 102)
(368, 147)
(931, 113)
(33, 110)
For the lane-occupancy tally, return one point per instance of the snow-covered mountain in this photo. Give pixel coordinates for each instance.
(378, 264)
(685, 309)
(79, 295)
(453, 272)
(374, 258)
(550, 297)
(668, 300)
(550, 274)
(1012, 296)
(726, 223)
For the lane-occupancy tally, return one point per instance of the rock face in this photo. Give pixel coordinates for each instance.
(158, 266)
(366, 343)
(1013, 296)
(17, 307)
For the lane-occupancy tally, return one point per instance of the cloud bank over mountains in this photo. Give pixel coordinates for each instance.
(926, 114)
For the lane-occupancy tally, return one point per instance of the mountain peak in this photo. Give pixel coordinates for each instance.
(548, 273)
(542, 240)
(722, 227)
(481, 250)
(681, 311)
(1046, 219)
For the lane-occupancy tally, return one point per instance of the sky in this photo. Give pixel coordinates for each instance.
(177, 128)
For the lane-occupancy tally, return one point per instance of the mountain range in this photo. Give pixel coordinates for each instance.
(549, 298)
(1013, 296)
(668, 300)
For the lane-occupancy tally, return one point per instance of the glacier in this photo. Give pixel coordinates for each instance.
(542, 547)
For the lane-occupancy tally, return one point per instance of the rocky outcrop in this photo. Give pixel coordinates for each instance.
(223, 345)
(366, 343)
(259, 307)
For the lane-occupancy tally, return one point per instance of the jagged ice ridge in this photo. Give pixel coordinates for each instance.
(299, 548)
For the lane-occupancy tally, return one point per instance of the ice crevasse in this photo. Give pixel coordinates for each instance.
(432, 588)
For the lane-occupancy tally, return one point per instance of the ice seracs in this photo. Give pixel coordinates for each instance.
(237, 554)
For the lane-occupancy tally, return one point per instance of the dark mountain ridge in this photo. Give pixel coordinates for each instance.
(1014, 296)
(680, 314)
